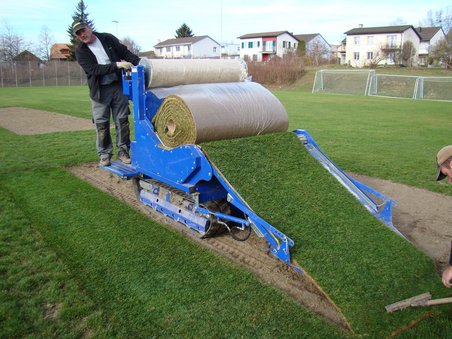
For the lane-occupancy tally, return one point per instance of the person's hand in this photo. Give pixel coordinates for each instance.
(124, 65)
(447, 277)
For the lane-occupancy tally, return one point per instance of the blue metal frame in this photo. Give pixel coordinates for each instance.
(187, 169)
(362, 192)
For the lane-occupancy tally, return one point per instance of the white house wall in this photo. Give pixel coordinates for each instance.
(206, 48)
(254, 52)
(373, 43)
(174, 52)
(319, 40)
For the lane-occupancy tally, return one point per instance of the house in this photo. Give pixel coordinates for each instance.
(190, 47)
(430, 36)
(59, 51)
(263, 46)
(338, 53)
(379, 45)
(230, 51)
(316, 46)
(26, 56)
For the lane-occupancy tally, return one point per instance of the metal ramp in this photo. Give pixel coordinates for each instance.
(122, 170)
(375, 202)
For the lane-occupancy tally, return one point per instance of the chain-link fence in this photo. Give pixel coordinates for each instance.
(51, 73)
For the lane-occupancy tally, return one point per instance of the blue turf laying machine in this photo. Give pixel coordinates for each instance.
(184, 185)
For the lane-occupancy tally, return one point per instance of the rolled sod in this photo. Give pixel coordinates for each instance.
(204, 112)
(357, 260)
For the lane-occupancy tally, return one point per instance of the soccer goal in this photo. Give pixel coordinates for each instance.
(354, 82)
(434, 88)
(393, 86)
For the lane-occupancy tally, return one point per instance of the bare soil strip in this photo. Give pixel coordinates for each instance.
(422, 216)
(251, 254)
(27, 121)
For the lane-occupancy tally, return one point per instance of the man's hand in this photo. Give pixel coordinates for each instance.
(447, 277)
(124, 65)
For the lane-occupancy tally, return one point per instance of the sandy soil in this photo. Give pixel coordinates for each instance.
(422, 216)
(27, 121)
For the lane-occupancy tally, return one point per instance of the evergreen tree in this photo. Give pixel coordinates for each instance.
(301, 48)
(82, 15)
(183, 32)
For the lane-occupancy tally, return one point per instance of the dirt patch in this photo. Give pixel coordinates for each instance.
(252, 254)
(423, 217)
(27, 121)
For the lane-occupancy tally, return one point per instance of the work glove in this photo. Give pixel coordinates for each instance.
(124, 65)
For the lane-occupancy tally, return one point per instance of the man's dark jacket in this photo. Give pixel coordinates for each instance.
(94, 72)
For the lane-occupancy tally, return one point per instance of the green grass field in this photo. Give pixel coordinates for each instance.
(70, 273)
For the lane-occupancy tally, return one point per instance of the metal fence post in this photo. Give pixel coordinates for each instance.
(68, 74)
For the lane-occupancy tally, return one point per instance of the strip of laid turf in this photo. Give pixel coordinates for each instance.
(358, 261)
(19, 152)
(148, 280)
(38, 298)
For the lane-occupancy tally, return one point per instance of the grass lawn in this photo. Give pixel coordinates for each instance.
(118, 274)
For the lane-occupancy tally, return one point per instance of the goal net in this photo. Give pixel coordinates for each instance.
(434, 88)
(393, 86)
(355, 82)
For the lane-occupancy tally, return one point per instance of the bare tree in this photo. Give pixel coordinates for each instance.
(318, 52)
(442, 17)
(131, 45)
(11, 44)
(377, 58)
(442, 53)
(45, 43)
(407, 53)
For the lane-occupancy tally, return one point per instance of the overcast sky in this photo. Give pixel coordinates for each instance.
(148, 21)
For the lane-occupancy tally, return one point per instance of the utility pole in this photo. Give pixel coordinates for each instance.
(116, 22)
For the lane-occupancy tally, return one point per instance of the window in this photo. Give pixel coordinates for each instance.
(214, 49)
(177, 48)
(258, 44)
(356, 55)
(168, 49)
(284, 44)
(188, 48)
(370, 55)
(370, 40)
(250, 44)
(254, 57)
(356, 40)
(392, 40)
(243, 45)
(269, 45)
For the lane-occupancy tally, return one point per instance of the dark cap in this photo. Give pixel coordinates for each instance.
(78, 25)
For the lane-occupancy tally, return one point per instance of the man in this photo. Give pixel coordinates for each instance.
(444, 163)
(102, 57)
